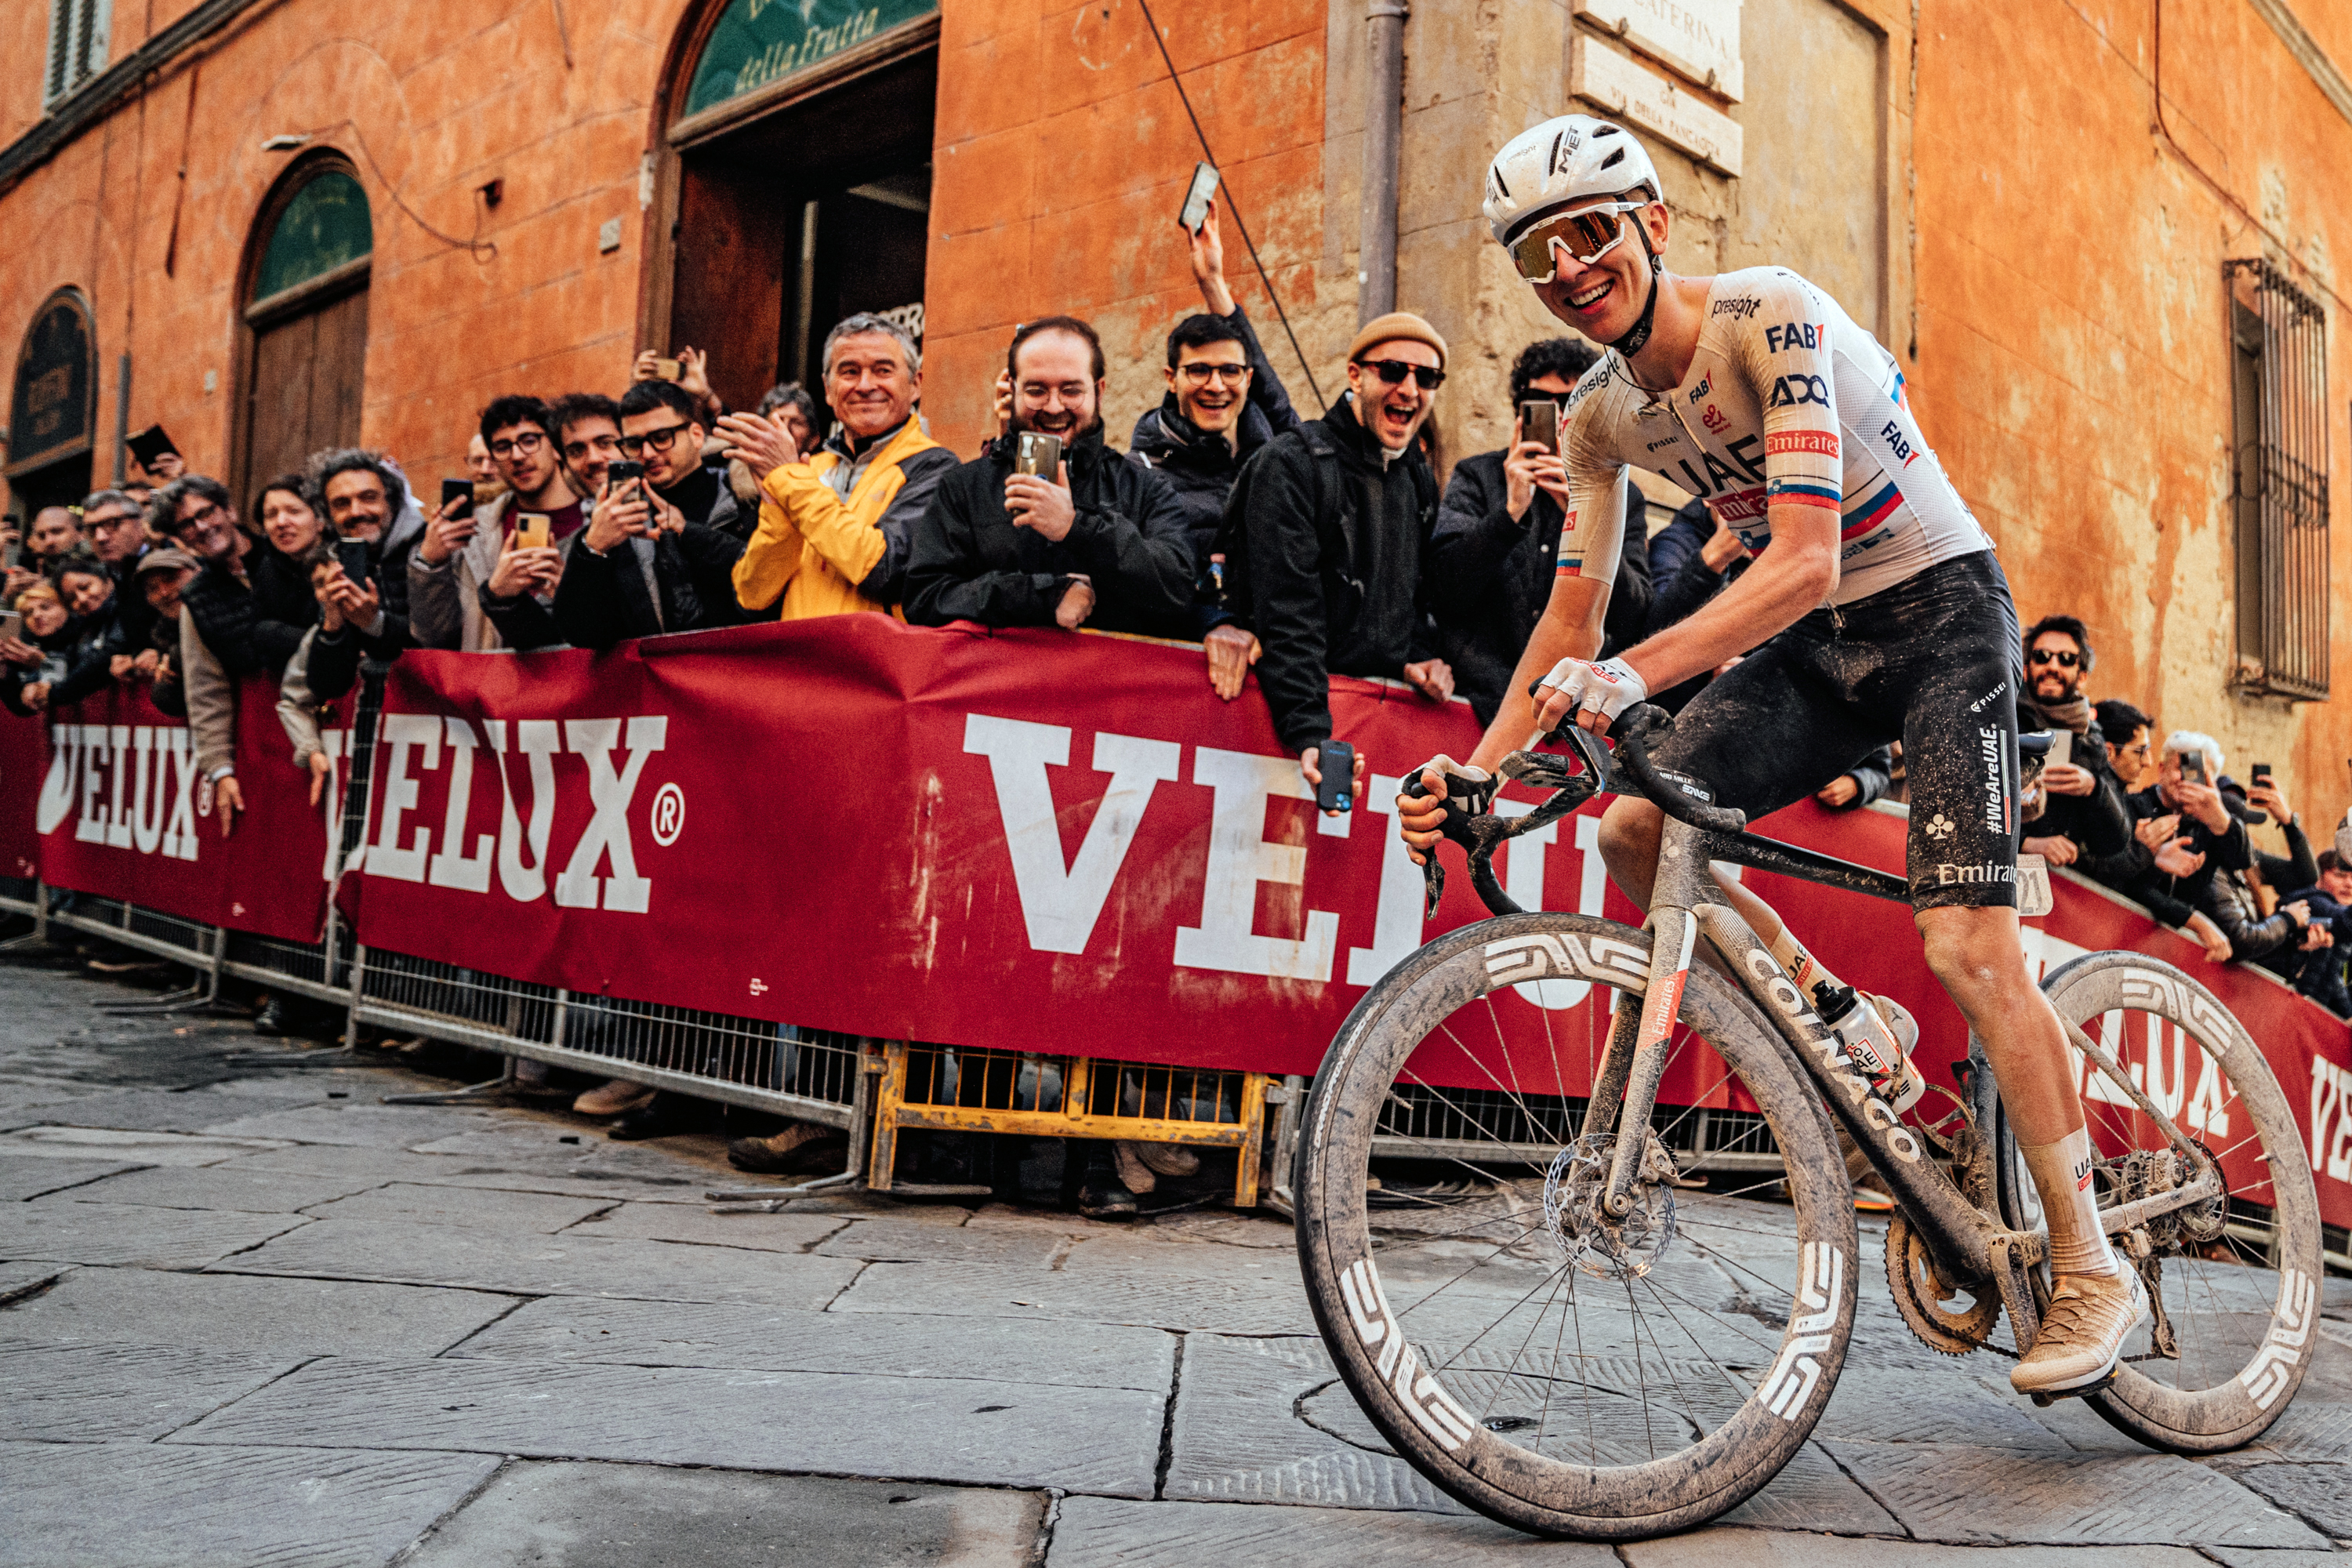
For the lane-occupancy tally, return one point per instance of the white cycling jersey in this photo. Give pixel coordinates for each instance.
(1786, 401)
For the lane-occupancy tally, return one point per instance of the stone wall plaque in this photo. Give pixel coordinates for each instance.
(1620, 87)
(1697, 38)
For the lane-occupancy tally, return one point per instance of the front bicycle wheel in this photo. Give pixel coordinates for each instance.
(2235, 1281)
(1557, 1370)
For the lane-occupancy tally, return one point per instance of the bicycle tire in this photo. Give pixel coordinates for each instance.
(2233, 1409)
(1526, 1489)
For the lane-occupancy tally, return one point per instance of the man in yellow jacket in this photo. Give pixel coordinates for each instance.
(834, 528)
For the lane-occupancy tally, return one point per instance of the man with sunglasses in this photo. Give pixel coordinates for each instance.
(467, 588)
(1330, 567)
(1874, 607)
(661, 427)
(2081, 811)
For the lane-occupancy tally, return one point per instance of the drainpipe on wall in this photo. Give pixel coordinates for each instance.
(1383, 133)
(123, 419)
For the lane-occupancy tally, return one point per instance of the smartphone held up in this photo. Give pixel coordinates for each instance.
(1039, 453)
(1198, 197)
(1539, 423)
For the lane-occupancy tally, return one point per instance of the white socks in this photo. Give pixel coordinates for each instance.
(2062, 1175)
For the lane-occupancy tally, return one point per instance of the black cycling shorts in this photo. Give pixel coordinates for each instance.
(1935, 662)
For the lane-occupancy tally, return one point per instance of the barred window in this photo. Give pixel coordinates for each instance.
(81, 32)
(2279, 394)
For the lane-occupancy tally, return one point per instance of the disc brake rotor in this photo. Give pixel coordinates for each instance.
(1603, 1247)
(1923, 1298)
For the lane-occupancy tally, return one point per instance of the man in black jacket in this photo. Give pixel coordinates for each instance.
(662, 426)
(641, 568)
(1337, 518)
(2082, 810)
(1224, 402)
(1103, 544)
(2183, 835)
(367, 502)
(1497, 529)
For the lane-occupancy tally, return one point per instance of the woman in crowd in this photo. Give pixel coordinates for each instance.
(283, 605)
(42, 654)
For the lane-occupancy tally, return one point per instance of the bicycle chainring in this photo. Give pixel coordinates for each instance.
(1920, 1294)
(1604, 1247)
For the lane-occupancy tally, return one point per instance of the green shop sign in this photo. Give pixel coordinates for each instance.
(760, 41)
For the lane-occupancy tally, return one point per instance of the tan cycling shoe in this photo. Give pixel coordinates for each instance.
(2083, 1331)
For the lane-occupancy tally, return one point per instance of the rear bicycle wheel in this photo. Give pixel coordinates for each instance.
(1562, 1374)
(2237, 1280)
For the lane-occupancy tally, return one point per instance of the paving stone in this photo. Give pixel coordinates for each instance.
(1238, 1435)
(536, 1142)
(2311, 1429)
(141, 1148)
(162, 1110)
(572, 1264)
(1111, 1532)
(1167, 1299)
(1939, 1492)
(627, 1516)
(524, 1214)
(1875, 1406)
(2254, 1557)
(2321, 1495)
(454, 1171)
(1260, 1229)
(365, 1126)
(788, 1231)
(20, 1280)
(226, 1187)
(647, 1333)
(1032, 1246)
(29, 1178)
(1721, 1548)
(251, 1314)
(991, 1434)
(84, 1394)
(1811, 1493)
(169, 1506)
(58, 1229)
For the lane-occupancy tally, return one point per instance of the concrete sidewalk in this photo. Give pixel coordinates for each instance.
(253, 1315)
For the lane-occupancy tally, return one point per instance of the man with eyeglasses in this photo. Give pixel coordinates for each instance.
(662, 427)
(1329, 563)
(467, 589)
(367, 502)
(216, 605)
(1874, 607)
(116, 529)
(2080, 811)
(1100, 543)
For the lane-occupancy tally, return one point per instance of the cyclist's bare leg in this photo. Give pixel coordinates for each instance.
(1977, 954)
(1631, 831)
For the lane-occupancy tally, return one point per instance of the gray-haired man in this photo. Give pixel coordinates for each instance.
(834, 528)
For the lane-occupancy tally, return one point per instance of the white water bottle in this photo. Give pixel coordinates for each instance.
(1878, 1033)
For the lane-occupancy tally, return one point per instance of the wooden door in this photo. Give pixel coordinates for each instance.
(309, 376)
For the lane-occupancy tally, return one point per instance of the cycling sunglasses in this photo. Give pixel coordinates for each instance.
(1588, 233)
(1394, 371)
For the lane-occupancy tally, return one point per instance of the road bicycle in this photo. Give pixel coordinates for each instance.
(1557, 1328)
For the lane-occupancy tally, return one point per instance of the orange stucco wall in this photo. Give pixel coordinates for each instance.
(1061, 198)
(2073, 365)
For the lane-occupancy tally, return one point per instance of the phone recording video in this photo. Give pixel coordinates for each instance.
(531, 531)
(1198, 197)
(1038, 454)
(1539, 423)
(457, 490)
(352, 555)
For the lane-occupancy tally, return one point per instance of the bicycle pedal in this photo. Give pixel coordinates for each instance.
(2044, 1401)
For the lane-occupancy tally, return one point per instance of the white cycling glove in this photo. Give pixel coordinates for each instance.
(1465, 786)
(1608, 688)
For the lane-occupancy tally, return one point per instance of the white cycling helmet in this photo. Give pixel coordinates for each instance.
(1570, 158)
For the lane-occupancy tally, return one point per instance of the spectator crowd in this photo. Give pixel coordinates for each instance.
(1288, 547)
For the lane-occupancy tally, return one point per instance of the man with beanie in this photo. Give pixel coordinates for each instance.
(1336, 518)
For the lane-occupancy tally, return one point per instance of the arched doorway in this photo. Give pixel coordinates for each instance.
(795, 183)
(53, 408)
(305, 321)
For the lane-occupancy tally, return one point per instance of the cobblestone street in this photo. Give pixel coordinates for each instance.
(254, 1315)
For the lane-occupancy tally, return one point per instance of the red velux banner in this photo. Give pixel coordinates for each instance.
(120, 812)
(1027, 841)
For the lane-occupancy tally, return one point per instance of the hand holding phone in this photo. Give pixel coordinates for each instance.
(1539, 423)
(1336, 791)
(352, 555)
(532, 529)
(2192, 766)
(1198, 197)
(457, 494)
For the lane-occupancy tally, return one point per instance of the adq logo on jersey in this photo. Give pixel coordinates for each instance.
(1795, 391)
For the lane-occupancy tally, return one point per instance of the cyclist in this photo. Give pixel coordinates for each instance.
(1881, 612)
